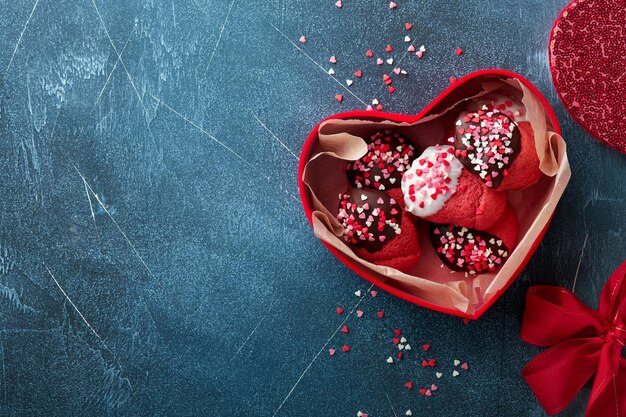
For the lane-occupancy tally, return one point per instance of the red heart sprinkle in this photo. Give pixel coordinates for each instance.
(397, 332)
(381, 314)
(408, 26)
(392, 90)
(339, 97)
(458, 51)
(369, 53)
(345, 329)
(358, 73)
(425, 346)
(346, 348)
(409, 385)
(339, 310)
(395, 340)
(465, 365)
(423, 391)
(389, 48)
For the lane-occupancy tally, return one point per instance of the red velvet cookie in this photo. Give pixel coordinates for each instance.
(496, 148)
(377, 229)
(388, 156)
(439, 189)
(475, 251)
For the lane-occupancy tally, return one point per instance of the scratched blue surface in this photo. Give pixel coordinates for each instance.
(154, 259)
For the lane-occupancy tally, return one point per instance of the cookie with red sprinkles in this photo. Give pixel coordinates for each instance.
(377, 229)
(496, 148)
(388, 155)
(474, 251)
(439, 189)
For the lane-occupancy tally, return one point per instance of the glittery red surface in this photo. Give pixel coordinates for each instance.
(588, 63)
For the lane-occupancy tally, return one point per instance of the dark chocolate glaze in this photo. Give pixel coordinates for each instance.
(388, 156)
(493, 146)
(370, 218)
(468, 250)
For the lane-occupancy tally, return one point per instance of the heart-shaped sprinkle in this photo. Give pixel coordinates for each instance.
(339, 4)
(345, 329)
(434, 387)
(358, 73)
(389, 48)
(396, 71)
(438, 375)
(395, 340)
(397, 332)
(331, 352)
(465, 366)
(400, 346)
(379, 61)
(345, 348)
(390, 61)
(403, 339)
(407, 347)
(392, 5)
(408, 26)
(423, 391)
(455, 373)
(380, 314)
(408, 413)
(457, 362)
(458, 51)
(369, 53)
(339, 97)
(374, 293)
(331, 72)
(407, 39)
(359, 313)
(333, 59)
(409, 384)
(358, 293)
(302, 39)
(392, 89)
(425, 347)
(349, 82)
(390, 360)
(419, 54)
(339, 310)
(411, 48)
(428, 393)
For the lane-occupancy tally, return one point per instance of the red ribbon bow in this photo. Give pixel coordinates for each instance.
(584, 341)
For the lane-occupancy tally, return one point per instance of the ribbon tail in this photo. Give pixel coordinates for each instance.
(608, 393)
(557, 374)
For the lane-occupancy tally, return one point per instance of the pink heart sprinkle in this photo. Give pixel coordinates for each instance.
(380, 200)
(392, 5)
(379, 61)
(465, 365)
(331, 351)
(333, 60)
(339, 4)
(396, 70)
(359, 313)
(411, 48)
(374, 293)
(428, 393)
(434, 387)
(419, 54)
(302, 39)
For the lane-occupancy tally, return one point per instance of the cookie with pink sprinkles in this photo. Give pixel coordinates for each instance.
(476, 251)
(388, 155)
(377, 229)
(438, 188)
(496, 144)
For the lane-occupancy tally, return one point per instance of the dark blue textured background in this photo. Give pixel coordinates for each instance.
(154, 257)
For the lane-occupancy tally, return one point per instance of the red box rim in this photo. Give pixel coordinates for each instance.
(306, 204)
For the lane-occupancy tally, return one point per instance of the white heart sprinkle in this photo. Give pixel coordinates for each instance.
(400, 346)
(331, 72)
(408, 413)
(407, 347)
(390, 61)
(407, 39)
(375, 101)
(438, 375)
(455, 373)
(349, 82)
(358, 293)
(390, 360)
(457, 362)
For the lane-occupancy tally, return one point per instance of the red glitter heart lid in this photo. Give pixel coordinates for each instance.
(588, 64)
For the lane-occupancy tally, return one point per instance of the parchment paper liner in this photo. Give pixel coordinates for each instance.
(340, 140)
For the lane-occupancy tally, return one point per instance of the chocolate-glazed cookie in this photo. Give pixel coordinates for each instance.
(475, 251)
(370, 218)
(487, 142)
(388, 156)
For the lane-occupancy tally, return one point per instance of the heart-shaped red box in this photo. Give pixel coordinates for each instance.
(535, 207)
